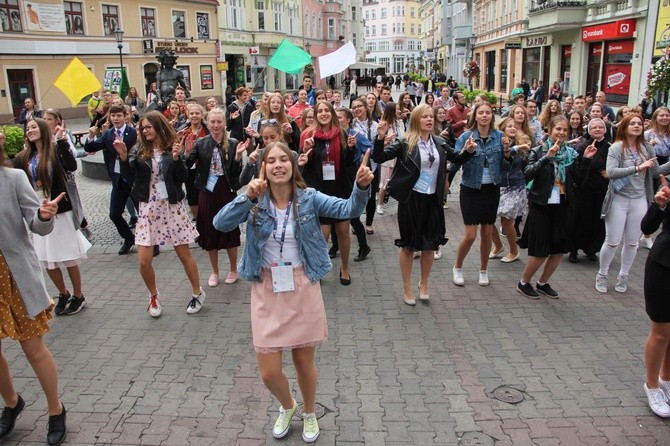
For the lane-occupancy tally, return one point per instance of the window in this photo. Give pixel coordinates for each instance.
(148, 22)
(367, 31)
(411, 45)
(411, 12)
(374, 14)
(398, 64)
(234, 14)
(110, 19)
(260, 6)
(383, 13)
(367, 14)
(394, 30)
(320, 28)
(411, 28)
(384, 45)
(278, 10)
(398, 45)
(74, 20)
(292, 16)
(313, 24)
(354, 40)
(186, 71)
(202, 24)
(179, 24)
(374, 30)
(10, 15)
(386, 61)
(353, 13)
(307, 25)
(383, 29)
(370, 47)
(331, 29)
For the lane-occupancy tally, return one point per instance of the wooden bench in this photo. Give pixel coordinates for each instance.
(77, 137)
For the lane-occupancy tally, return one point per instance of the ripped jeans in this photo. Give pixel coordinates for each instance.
(622, 223)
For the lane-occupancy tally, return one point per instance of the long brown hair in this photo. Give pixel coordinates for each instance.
(164, 132)
(282, 117)
(523, 153)
(48, 162)
(334, 122)
(472, 121)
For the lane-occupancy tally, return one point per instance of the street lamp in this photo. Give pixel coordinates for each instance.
(308, 46)
(118, 35)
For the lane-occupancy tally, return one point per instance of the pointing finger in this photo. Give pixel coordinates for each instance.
(664, 181)
(261, 175)
(366, 158)
(58, 198)
(308, 152)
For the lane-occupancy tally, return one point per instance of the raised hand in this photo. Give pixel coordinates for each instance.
(648, 164)
(662, 197)
(48, 209)
(120, 148)
(351, 141)
(471, 144)
(553, 150)
(60, 132)
(303, 158)
(309, 144)
(258, 185)
(92, 131)
(287, 128)
(176, 150)
(253, 157)
(241, 148)
(389, 137)
(590, 150)
(364, 175)
(382, 129)
(506, 142)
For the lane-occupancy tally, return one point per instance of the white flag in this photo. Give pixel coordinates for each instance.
(337, 61)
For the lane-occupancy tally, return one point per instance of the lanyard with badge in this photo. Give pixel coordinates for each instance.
(425, 180)
(282, 272)
(33, 171)
(555, 197)
(214, 170)
(328, 165)
(160, 184)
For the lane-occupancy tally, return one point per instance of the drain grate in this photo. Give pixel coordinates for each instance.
(319, 411)
(508, 395)
(475, 439)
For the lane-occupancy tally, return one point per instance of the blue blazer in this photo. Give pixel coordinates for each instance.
(106, 143)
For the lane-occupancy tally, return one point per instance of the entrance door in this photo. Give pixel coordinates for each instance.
(545, 71)
(150, 71)
(21, 86)
(490, 70)
(593, 68)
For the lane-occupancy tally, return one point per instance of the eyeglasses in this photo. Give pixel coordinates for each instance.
(146, 127)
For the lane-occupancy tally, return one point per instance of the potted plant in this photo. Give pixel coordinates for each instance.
(658, 78)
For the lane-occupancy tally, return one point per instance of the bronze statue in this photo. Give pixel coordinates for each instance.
(168, 78)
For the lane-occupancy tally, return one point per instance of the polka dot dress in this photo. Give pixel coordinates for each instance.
(14, 322)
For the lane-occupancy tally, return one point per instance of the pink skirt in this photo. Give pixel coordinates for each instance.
(287, 320)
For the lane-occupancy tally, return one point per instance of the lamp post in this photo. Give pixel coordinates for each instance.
(308, 46)
(118, 35)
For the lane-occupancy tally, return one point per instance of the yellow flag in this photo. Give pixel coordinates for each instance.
(76, 81)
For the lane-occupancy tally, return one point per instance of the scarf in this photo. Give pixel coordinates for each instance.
(564, 157)
(331, 136)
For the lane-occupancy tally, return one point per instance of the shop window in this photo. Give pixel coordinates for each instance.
(617, 69)
(74, 20)
(179, 24)
(503, 72)
(10, 16)
(531, 63)
(260, 6)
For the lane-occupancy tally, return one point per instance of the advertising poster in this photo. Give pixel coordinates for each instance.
(662, 40)
(44, 17)
(178, 24)
(206, 77)
(202, 23)
(186, 70)
(617, 79)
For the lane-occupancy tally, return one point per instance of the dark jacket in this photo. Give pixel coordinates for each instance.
(540, 169)
(37, 113)
(237, 125)
(540, 94)
(660, 252)
(343, 184)
(139, 170)
(408, 166)
(514, 177)
(588, 171)
(202, 154)
(106, 143)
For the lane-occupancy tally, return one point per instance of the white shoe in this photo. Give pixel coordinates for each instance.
(483, 277)
(601, 283)
(416, 254)
(665, 387)
(657, 402)
(195, 304)
(310, 429)
(438, 253)
(155, 308)
(621, 284)
(458, 276)
(380, 209)
(646, 242)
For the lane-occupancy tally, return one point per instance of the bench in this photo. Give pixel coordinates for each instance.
(77, 137)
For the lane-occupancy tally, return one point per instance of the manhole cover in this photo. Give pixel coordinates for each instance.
(476, 439)
(319, 411)
(508, 395)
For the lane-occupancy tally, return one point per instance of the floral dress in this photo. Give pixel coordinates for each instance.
(159, 222)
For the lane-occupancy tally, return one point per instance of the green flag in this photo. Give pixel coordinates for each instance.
(289, 58)
(125, 85)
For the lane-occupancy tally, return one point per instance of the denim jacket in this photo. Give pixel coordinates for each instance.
(473, 170)
(311, 205)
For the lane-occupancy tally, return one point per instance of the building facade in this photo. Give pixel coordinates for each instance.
(36, 47)
(457, 38)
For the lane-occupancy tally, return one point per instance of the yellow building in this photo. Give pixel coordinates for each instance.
(36, 47)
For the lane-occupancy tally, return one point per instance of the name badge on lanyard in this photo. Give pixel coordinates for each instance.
(328, 166)
(423, 183)
(282, 272)
(555, 197)
(211, 182)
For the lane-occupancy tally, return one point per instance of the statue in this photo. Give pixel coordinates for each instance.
(168, 78)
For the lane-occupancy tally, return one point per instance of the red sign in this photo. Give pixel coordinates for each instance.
(607, 31)
(617, 79)
(597, 50)
(621, 47)
(567, 51)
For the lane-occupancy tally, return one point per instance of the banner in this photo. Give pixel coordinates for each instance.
(44, 17)
(76, 81)
(289, 58)
(116, 80)
(337, 61)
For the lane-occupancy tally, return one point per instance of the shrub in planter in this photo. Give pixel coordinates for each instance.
(14, 140)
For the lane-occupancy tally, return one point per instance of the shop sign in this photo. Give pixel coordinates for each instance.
(567, 51)
(597, 51)
(206, 77)
(662, 40)
(512, 44)
(254, 50)
(624, 47)
(222, 66)
(148, 46)
(529, 42)
(177, 47)
(607, 31)
(617, 79)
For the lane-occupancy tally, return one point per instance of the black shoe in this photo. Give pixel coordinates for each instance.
(132, 223)
(63, 300)
(572, 258)
(8, 417)
(126, 247)
(592, 257)
(547, 290)
(332, 252)
(527, 290)
(386, 198)
(76, 305)
(157, 250)
(56, 428)
(345, 282)
(362, 254)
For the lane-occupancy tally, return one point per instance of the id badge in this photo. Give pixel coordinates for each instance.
(328, 171)
(423, 183)
(117, 166)
(162, 190)
(555, 197)
(211, 182)
(282, 277)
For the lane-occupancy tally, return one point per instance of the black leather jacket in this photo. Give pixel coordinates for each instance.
(540, 169)
(408, 167)
(139, 170)
(202, 153)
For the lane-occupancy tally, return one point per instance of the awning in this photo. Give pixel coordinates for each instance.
(365, 66)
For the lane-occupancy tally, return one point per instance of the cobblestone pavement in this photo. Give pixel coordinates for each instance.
(389, 374)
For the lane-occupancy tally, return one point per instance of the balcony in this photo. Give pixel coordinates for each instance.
(552, 13)
(462, 32)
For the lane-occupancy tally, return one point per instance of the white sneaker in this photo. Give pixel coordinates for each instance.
(416, 254)
(646, 242)
(195, 304)
(665, 387)
(438, 253)
(458, 276)
(601, 283)
(657, 403)
(483, 277)
(380, 209)
(283, 423)
(155, 308)
(621, 284)
(310, 428)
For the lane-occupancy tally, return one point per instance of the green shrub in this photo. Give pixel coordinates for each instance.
(470, 95)
(14, 140)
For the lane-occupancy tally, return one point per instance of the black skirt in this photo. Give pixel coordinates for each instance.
(209, 204)
(588, 229)
(657, 291)
(421, 223)
(546, 230)
(480, 206)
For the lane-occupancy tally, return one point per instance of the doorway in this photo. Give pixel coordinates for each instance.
(150, 70)
(21, 86)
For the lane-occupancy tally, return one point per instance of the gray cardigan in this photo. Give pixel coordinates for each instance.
(19, 205)
(615, 171)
